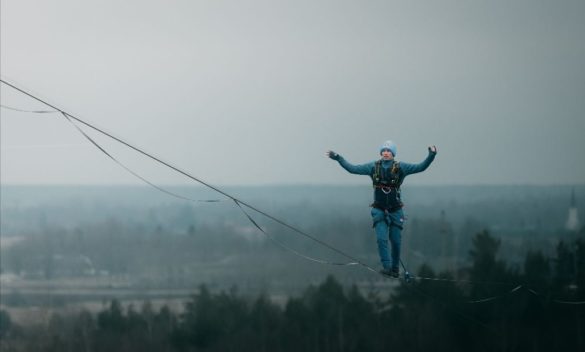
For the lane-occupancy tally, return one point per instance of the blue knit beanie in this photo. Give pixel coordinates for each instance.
(389, 145)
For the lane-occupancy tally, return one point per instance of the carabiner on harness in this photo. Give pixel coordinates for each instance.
(386, 189)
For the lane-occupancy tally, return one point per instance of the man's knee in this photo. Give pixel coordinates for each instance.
(381, 230)
(397, 220)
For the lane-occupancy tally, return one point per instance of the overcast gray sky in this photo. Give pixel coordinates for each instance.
(255, 92)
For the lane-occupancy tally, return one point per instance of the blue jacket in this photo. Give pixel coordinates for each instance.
(405, 168)
(369, 168)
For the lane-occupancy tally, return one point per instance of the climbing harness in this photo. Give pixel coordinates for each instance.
(386, 185)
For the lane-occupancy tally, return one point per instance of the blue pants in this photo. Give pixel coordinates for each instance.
(388, 226)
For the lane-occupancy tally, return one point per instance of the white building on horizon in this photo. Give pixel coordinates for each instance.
(573, 218)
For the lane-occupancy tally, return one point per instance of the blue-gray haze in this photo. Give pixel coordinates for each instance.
(255, 92)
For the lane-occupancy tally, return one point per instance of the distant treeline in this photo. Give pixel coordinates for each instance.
(515, 310)
(180, 248)
(30, 209)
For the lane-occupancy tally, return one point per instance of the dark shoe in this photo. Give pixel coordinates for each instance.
(386, 271)
(395, 273)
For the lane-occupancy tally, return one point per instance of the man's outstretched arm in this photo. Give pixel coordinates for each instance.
(409, 169)
(363, 169)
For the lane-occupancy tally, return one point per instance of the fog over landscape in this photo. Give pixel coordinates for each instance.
(111, 227)
(164, 184)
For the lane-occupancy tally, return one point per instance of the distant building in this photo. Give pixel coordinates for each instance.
(573, 218)
(449, 244)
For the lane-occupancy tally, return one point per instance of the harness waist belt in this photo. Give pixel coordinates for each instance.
(387, 209)
(381, 186)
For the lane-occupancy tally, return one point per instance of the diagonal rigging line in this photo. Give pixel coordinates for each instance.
(568, 302)
(489, 299)
(465, 281)
(471, 282)
(281, 222)
(237, 201)
(282, 245)
(109, 155)
(130, 170)
(554, 300)
(32, 111)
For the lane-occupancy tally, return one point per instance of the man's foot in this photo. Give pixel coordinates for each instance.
(390, 272)
(395, 273)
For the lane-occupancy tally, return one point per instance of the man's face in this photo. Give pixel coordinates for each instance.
(387, 154)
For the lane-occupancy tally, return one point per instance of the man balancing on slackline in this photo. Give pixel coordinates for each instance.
(387, 175)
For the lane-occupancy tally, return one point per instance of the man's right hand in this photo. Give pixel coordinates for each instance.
(333, 155)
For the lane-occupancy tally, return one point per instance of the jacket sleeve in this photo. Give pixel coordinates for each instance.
(409, 169)
(363, 169)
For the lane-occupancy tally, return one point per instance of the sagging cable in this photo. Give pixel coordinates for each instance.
(285, 247)
(130, 170)
(30, 111)
(489, 299)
